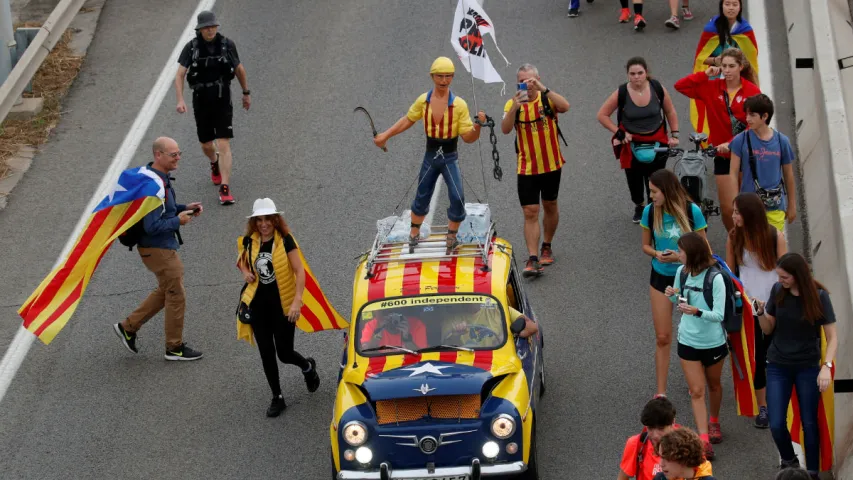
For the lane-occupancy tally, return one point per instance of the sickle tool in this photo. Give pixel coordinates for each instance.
(370, 119)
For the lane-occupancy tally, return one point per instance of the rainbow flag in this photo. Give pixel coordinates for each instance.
(743, 36)
(825, 417)
(137, 192)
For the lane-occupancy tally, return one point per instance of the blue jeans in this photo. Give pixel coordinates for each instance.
(446, 165)
(574, 4)
(780, 382)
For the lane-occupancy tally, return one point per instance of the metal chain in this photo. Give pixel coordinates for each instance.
(497, 172)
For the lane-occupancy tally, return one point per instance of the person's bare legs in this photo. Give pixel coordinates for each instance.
(694, 373)
(662, 317)
(531, 228)
(550, 219)
(224, 147)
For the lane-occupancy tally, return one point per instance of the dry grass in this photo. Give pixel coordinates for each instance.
(51, 82)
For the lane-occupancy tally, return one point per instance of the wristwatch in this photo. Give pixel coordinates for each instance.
(546, 92)
(247, 92)
(699, 313)
(828, 364)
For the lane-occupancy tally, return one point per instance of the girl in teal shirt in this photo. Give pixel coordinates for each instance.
(701, 338)
(670, 215)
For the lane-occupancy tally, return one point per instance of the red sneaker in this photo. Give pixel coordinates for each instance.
(225, 197)
(625, 16)
(546, 257)
(709, 452)
(715, 435)
(214, 173)
(532, 269)
(639, 23)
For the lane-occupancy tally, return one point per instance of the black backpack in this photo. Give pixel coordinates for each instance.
(226, 64)
(132, 235)
(732, 322)
(623, 95)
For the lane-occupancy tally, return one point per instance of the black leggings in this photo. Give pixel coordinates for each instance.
(762, 343)
(274, 336)
(638, 176)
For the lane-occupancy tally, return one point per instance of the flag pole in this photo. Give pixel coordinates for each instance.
(479, 148)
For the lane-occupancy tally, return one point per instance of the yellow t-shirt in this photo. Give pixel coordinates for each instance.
(536, 141)
(455, 121)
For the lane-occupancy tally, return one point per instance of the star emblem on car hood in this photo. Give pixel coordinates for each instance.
(426, 368)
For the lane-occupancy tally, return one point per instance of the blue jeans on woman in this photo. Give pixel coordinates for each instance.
(446, 165)
(780, 382)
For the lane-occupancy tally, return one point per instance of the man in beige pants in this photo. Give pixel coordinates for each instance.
(158, 247)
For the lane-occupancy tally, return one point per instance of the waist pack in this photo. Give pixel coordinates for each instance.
(772, 197)
(732, 321)
(644, 152)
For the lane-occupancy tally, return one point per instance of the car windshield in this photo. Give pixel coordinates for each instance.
(430, 323)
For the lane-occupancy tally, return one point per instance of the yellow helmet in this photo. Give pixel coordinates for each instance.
(442, 65)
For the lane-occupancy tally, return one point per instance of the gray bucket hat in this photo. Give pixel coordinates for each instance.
(206, 18)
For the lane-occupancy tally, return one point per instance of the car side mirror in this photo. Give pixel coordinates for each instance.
(517, 325)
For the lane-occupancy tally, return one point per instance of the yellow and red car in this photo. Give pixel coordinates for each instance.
(435, 382)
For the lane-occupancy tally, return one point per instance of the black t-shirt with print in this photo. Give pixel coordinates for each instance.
(266, 297)
(796, 342)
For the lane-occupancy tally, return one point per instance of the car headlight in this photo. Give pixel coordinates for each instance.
(363, 455)
(355, 433)
(503, 426)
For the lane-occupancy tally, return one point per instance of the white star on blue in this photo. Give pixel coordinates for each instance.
(133, 184)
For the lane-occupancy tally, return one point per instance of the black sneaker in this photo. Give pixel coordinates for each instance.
(127, 338)
(573, 12)
(638, 213)
(312, 379)
(763, 419)
(183, 354)
(276, 406)
(795, 463)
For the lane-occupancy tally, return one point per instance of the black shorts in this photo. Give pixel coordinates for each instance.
(708, 356)
(544, 185)
(659, 282)
(722, 165)
(212, 116)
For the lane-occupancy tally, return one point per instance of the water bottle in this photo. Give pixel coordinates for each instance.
(738, 303)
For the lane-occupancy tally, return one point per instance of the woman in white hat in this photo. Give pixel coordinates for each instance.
(275, 279)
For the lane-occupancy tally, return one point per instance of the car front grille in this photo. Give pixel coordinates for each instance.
(416, 408)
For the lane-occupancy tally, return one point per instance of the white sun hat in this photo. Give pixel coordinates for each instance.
(264, 206)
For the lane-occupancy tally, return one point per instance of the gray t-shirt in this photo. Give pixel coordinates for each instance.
(796, 342)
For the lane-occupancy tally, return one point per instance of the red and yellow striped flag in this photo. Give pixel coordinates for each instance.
(137, 192)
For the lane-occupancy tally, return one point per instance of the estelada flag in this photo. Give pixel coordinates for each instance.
(825, 416)
(742, 348)
(743, 37)
(137, 192)
(317, 313)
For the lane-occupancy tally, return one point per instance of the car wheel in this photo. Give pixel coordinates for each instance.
(542, 378)
(532, 472)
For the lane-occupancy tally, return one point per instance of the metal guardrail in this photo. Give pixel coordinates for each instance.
(49, 35)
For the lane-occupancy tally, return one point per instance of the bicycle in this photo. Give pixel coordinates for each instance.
(692, 171)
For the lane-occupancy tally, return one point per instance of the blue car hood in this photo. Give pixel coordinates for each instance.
(428, 378)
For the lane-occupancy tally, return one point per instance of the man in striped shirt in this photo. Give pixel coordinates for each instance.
(446, 118)
(540, 161)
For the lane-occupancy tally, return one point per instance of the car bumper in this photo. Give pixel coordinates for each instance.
(473, 472)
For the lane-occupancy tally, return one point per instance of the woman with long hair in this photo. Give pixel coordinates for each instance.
(795, 313)
(670, 215)
(269, 260)
(723, 99)
(643, 108)
(701, 337)
(752, 250)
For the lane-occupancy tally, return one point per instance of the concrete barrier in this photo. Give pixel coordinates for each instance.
(819, 36)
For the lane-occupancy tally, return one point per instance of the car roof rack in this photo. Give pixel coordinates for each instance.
(433, 247)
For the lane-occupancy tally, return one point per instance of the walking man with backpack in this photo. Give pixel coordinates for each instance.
(157, 243)
(209, 62)
(532, 112)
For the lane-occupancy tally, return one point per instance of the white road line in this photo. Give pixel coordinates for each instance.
(17, 351)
